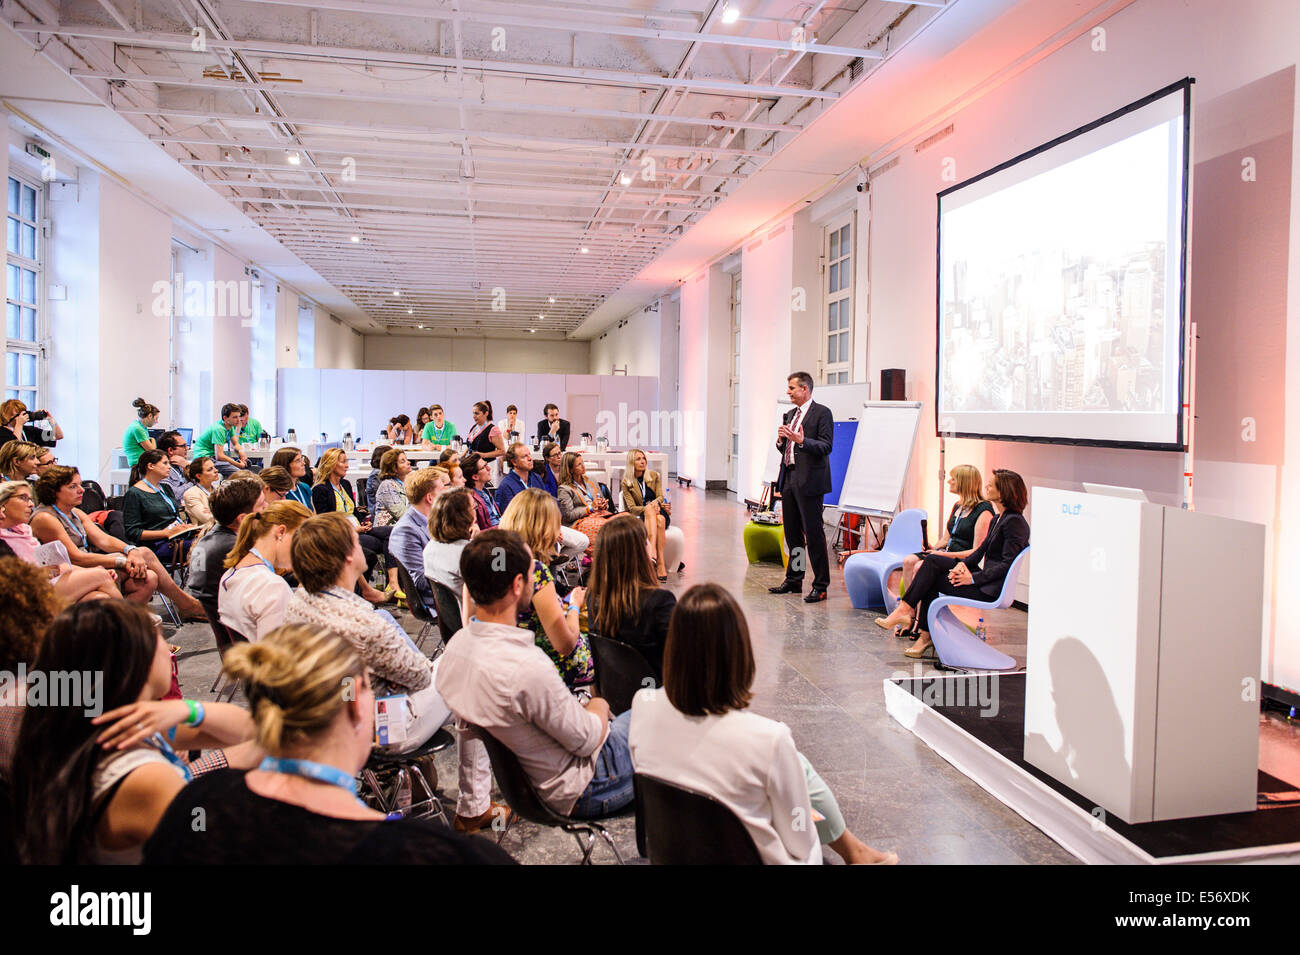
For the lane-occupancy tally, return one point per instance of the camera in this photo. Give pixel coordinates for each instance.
(37, 415)
(862, 180)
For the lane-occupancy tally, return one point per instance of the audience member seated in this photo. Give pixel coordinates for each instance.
(549, 467)
(477, 475)
(59, 518)
(438, 431)
(252, 595)
(46, 461)
(374, 477)
(696, 732)
(203, 476)
(582, 506)
(411, 533)
(389, 502)
(553, 427)
(980, 574)
(485, 437)
(173, 445)
(519, 456)
(250, 429)
(448, 458)
(300, 805)
(279, 485)
(496, 681)
(422, 417)
(643, 497)
(151, 514)
(221, 442)
(511, 429)
(451, 525)
(18, 461)
(333, 494)
(968, 522)
(70, 583)
(624, 601)
(136, 440)
(231, 502)
(93, 789)
(30, 604)
(14, 425)
(295, 462)
(534, 516)
(400, 432)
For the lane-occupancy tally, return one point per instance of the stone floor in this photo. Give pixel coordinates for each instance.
(820, 669)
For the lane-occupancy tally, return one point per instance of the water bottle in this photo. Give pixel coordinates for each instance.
(291, 437)
(981, 631)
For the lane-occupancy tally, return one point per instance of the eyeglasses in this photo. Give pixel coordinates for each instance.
(46, 464)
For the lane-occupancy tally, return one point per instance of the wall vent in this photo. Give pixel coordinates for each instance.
(932, 139)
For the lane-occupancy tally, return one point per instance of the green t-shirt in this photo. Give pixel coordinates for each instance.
(433, 435)
(135, 433)
(251, 432)
(215, 437)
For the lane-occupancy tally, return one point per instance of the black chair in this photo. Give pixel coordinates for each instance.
(415, 604)
(524, 802)
(226, 638)
(621, 670)
(386, 774)
(675, 826)
(93, 499)
(448, 610)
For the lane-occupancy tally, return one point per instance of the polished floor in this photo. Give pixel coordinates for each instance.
(820, 669)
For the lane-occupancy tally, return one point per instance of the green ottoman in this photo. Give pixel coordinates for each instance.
(765, 542)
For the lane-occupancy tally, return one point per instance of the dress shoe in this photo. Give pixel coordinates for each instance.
(815, 596)
(484, 821)
(787, 587)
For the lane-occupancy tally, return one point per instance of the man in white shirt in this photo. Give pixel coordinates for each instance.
(494, 677)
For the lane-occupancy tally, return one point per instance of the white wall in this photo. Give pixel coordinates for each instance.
(633, 349)
(522, 354)
(703, 365)
(337, 345)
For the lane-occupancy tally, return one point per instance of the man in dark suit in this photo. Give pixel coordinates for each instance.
(804, 439)
(553, 427)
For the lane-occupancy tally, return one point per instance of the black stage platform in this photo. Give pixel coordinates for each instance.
(976, 722)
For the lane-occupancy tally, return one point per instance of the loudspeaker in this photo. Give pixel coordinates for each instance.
(892, 384)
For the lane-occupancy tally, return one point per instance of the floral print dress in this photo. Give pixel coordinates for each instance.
(577, 668)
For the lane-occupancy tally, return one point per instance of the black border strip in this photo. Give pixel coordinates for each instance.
(1180, 443)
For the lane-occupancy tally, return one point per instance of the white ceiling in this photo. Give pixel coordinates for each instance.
(463, 153)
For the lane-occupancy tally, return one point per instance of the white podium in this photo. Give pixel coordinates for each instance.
(1142, 683)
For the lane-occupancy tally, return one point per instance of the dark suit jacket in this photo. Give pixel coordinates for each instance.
(811, 473)
(544, 430)
(1008, 536)
(323, 500)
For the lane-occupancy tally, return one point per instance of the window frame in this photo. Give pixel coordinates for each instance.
(30, 395)
(840, 230)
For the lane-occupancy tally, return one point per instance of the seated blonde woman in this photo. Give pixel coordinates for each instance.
(643, 497)
(582, 506)
(534, 516)
(968, 522)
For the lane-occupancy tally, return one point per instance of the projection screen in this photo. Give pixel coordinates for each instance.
(1062, 286)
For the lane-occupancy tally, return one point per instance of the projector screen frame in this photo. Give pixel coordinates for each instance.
(1179, 444)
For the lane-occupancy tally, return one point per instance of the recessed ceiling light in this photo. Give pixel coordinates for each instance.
(356, 238)
(584, 250)
(551, 300)
(532, 331)
(292, 158)
(421, 326)
(411, 311)
(541, 316)
(730, 13)
(625, 179)
(396, 293)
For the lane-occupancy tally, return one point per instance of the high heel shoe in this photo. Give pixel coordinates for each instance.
(884, 624)
(917, 651)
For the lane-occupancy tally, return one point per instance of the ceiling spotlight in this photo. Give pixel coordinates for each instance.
(584, 250)
(396, 294)
(421, 326)
(411, 311)
(356, 238)
(626, 179)
(292, 158)
(730, 13)
(551, 300)
(226, 156)
(532, 331)
(541, 316)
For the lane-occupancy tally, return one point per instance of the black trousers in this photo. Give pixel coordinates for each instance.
(805, 536)
(930, 581)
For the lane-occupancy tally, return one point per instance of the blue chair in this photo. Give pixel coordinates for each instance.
(866, 576)
(954, 643)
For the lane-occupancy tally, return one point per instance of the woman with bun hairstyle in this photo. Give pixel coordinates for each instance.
(253, 593)
(136, 440)
(300, 805)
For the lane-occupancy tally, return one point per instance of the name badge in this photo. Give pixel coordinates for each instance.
(391, 719)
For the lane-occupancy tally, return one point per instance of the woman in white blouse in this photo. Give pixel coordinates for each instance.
(253, 594)
(696, 732)
(203, 474)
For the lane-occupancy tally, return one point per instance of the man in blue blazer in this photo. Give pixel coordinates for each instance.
(804, 439)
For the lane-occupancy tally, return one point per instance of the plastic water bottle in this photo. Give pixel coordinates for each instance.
(981, 631)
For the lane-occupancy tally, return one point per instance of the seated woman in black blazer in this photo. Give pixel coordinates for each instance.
(333, 492)
(624, 601)
(939, 574)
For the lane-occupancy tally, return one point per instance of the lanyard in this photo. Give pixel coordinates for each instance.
(68, 523)
(157, 490)
(330, 775)
(159, 742)
(301, 496)
(641, 483)
(258, 554)
(344, 501)
(589, 498)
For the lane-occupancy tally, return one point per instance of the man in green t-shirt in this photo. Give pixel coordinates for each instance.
(212, 443)
(439, 431)
(250, 429)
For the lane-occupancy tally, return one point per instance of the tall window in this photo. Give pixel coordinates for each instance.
(733, 381)
(24, 321)
(837, 337)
